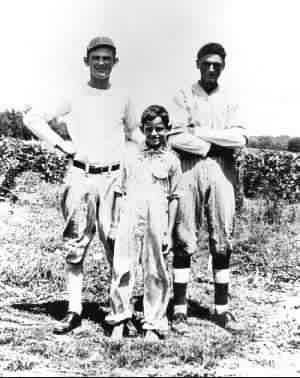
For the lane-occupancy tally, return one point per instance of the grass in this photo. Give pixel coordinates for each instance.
(265, 274)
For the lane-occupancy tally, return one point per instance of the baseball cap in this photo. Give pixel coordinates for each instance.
(100, 41)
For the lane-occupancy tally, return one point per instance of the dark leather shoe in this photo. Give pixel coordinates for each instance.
(179, 323)
(227, 321)
(70, 322)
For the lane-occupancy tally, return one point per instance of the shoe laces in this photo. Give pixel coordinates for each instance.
(179, 318)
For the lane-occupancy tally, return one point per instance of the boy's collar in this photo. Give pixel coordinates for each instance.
(146, 148)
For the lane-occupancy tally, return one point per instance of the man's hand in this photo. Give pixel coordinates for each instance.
(113, 231)
(167, 243)
(67, 148)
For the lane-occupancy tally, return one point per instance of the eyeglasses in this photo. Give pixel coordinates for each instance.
(216, 66)
(150, 129)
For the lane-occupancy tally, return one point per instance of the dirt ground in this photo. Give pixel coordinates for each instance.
(269, 311)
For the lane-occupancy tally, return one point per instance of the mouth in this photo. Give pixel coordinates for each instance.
(100, 71)
(154, 140)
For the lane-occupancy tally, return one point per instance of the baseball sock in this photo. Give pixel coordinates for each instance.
(221, 278)
(75, 280)
(181, 275)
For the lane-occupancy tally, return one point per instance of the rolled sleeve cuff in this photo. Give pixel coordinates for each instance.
(176, 195)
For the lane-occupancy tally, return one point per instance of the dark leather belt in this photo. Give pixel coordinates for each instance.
(92, 169)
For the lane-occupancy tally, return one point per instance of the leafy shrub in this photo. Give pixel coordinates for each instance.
(294, 145)
(272, 175)
(12, 125)
(18, 156)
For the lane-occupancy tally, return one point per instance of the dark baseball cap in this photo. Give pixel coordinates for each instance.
(100, 41)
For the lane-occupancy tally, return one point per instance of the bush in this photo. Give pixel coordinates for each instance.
(12, 125)
(294, 145)
(18, 156)
(271, 175)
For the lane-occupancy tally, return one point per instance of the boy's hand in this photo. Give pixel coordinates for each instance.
(113, 231)
(167, 244)
(111, 237)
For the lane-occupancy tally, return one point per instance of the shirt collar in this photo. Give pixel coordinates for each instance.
(199, 91)
(147, 149)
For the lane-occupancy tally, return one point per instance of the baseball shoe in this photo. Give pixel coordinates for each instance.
(117, 332)
(70, 322)
(179, 323)
(151, 336)
(227, 321)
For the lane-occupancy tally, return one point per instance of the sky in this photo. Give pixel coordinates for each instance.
(43, 43)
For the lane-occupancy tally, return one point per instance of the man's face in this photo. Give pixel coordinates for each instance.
(101, 62)
(210, 67)
(155, 133)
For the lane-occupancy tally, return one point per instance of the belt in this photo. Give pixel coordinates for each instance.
(92, 169)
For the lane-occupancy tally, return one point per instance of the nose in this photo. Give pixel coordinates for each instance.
(154, 132)
(100, 61)
(211, 68)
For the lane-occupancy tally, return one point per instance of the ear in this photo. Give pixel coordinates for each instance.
(198, 64)
(116, 61)
(141, 126)
(86, 60)
(169, 127)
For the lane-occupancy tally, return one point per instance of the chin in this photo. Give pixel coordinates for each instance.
(154, 145)
(212, 81)
(101, 76)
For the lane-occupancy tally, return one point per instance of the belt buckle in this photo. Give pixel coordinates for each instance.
(87, 168)
(109, 169)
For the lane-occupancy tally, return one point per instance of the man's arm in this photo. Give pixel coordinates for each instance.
(131, 125)
(190, 137)
(231, 137)
(231, 134)
(184, 141)
(38, 124)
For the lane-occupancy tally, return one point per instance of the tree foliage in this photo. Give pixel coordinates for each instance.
(294, 145)
(269, 142)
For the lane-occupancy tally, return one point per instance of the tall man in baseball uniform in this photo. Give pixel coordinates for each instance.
(206, 132)
(100, 117)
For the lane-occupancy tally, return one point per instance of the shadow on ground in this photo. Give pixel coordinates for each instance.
(97, 312)
(58, 309)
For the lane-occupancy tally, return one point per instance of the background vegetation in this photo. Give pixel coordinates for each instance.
(264, 291)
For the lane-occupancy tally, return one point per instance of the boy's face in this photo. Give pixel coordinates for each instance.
(155, 133)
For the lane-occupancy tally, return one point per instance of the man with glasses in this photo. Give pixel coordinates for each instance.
(206, 132)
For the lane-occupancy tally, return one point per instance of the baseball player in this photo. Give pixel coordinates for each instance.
(100, 118)
(206, 132)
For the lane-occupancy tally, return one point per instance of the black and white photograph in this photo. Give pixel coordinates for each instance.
(150, 188)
